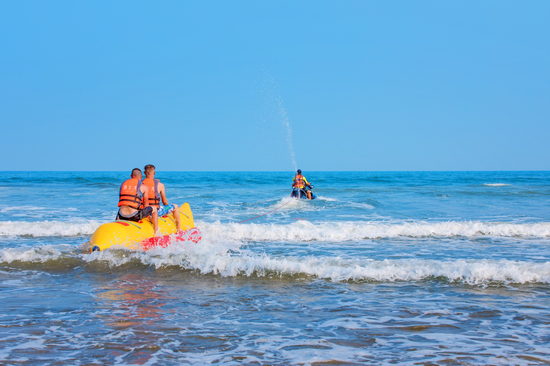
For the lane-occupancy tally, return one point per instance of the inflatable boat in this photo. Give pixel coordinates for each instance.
(140, 235)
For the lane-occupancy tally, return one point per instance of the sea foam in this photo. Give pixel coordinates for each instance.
(210, 258)
(356, 230)
(47, 228)
(303, 230)
(229, 260)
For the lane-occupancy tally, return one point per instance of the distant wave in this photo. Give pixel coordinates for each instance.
(208, 258)
(345, 231)
(302, 230)
(496, 184)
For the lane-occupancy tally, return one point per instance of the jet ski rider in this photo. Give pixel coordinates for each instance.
(300, 182)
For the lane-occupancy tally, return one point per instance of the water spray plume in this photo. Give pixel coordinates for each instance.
(284, 118)
(286, 125)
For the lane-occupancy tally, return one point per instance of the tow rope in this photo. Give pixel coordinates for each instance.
(240, 222)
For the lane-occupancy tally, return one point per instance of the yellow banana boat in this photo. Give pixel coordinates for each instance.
(140, 235)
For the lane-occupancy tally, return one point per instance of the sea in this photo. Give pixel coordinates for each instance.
(408, 268)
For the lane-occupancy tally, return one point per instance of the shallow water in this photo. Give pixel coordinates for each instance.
(402, 267)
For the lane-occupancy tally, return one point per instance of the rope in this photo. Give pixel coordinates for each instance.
(240, 222)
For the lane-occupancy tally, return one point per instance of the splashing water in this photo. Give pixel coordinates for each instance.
(286, 125)
(271, 91)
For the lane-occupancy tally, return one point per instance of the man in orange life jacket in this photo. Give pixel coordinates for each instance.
(133, 201)
(301, 182)
(157, 192)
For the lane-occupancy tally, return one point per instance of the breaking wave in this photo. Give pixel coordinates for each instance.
(227, 261)
(303, 230)
(47, 228)
(345, 231)
(474, 272)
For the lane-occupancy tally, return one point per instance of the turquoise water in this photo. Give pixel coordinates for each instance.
(384, 267)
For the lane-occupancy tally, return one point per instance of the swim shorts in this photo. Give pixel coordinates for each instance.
(139, 215)
(165, 210)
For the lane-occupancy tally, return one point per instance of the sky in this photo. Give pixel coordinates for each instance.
(275, 85)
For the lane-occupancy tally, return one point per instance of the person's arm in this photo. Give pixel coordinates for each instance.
(162, 194)
(306, 182)
(145, 195)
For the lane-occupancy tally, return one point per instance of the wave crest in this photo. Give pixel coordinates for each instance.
(227, 260)
(346, 231)
(47, 228)
(222, 260)
(304, 230)
(473, 272)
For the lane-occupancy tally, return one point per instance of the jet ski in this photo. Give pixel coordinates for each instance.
(301, 192)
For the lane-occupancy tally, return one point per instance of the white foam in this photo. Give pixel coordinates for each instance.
(30, 254)
(288, 203)
(228, 260)
(496, 184)
(302, 230)
(328, 199)
(47, 228)
(473, 272)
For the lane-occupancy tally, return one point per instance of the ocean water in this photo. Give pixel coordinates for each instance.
(412, 268)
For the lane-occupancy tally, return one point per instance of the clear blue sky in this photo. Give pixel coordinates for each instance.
(209, 85)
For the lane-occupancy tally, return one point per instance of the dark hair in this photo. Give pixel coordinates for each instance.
(148, 168)
(135, 171)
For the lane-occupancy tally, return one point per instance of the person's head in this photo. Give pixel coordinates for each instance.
(149, 170)
(136, 173)
(299, 171)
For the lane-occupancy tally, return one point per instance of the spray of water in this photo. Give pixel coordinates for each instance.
(274, 94)
(286, 126)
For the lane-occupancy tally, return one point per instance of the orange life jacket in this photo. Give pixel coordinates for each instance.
(153, 191)
(130, 194)
(299, 181)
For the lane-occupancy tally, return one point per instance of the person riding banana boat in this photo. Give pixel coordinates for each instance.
(301, 188)
(142, 223)
(133, 201)
(157, 194)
